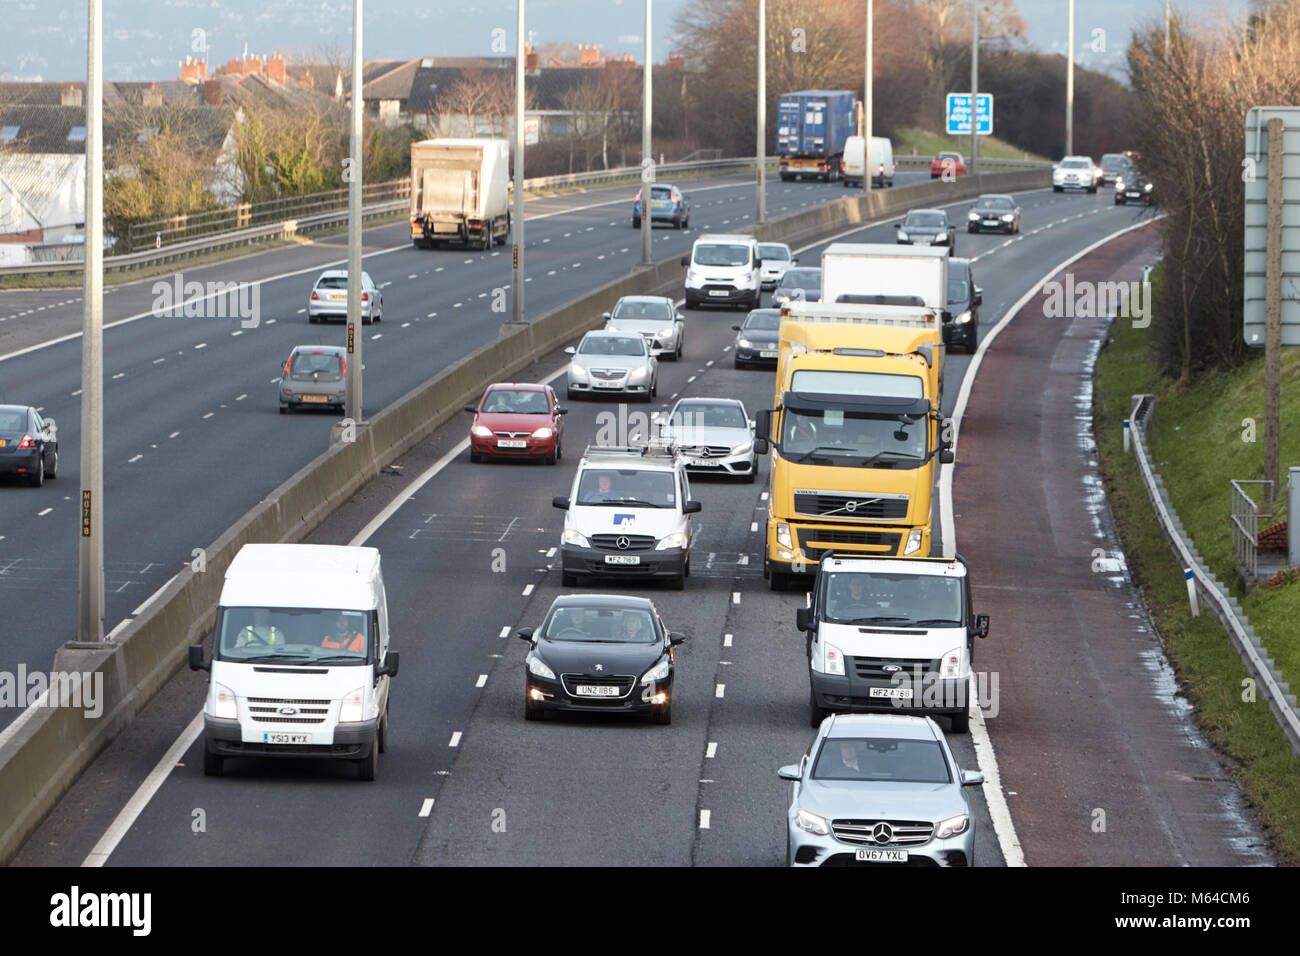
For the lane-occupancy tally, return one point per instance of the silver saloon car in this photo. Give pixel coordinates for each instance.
(617, 363)
(315, 376)
(655, 319)
(329, 298)
(714, 436)
(879, 789)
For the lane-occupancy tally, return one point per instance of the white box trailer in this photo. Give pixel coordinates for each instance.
(892, 271)
(460, 192)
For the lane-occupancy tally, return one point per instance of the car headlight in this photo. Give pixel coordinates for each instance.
(638, 374)
(675, 540)
(223, 703)
(572, 537)
(832, 660)
(692, 278)
(353, 707)
(1119, 184)
(659, 672)
(743, 448)
(913, 542)
(544, 432)
(811, 823)
(481, 431)
(902, 235)
(666, 333)
(783, 536)
(941, 238)
(953, 826)
(964, 317)
(1007, 217)
(744, 343)
(950, 663)
(974, 215)
(577, 371)
(1149, 186)
(537, 667)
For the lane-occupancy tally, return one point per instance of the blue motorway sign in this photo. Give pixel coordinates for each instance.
(959, 114)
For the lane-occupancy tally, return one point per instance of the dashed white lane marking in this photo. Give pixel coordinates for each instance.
(455, 739)
(133, 460)
(240, 398)
(735, 597)
(719, 690)
(431, 315)
(753, 526)
(405, 324)
(705, 815)
(209, 414)
(377, 335)
(119, 375)
(711, 750)
(691, 379)
(482, 680)
(201, 345)
(173, 434)
(270, 321)
(427, 807)
(505, 631)
(411, 276)
(551, 553)
(528, 589)
(763, 496)
(42, 514)
(726, 640)
(159, 361)
(236, 332)
(301, 311)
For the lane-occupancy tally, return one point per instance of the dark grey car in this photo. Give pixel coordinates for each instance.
(757, 338)
(29, 444)
(315, 376)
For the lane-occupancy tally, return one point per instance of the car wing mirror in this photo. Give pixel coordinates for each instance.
(692, 507)
(525, 634)
(570, 350)
(471, 408)
(971, 778)
(803, 619)
(561, 502)
(390, 666)
(789, 772)
(686, 260)
(982, 625)
(197, 663)
(676, 637)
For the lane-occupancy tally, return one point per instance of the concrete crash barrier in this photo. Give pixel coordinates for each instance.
(46, 748)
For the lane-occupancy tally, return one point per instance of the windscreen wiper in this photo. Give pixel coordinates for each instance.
(813, 451)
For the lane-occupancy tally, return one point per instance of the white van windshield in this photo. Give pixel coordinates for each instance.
(721, 255)
(293, 635)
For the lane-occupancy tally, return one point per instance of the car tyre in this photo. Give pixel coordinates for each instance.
(475, 457)
(961, 722)
(677, 356)
(752, 476)
(662, 715)
(368, 766)
(211, 763)
(38, 479)
(53, 472)
(553, 457)
(533, 711)
(678, 581)
(816, 714)
(381, 737)
(1058, 189)
(568, 580)
(636, 223)
(972, 230)
(284, 409)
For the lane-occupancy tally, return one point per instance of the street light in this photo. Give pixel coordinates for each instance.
(517, 204)
(355, 335)
(647, 158)
(760, 153)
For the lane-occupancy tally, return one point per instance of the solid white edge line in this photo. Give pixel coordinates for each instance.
(999, 812)
(143, 794)
(426, 807)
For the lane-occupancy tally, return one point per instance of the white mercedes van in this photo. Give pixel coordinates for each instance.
(300, 661)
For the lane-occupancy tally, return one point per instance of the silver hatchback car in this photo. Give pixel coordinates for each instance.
(654, 318)
(329, 298)
(613, 362)
(879, 789)
(315, 376)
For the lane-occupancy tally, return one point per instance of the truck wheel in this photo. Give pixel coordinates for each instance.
(961, 722)
(369, 764)
(211, 762)
(779, 581)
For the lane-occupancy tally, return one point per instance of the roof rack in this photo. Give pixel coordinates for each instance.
(653, 448)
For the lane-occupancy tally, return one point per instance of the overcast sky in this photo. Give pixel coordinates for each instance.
(144, 39)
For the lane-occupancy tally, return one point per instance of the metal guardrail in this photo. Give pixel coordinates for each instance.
(1262, 668)
(399, 190)
(1245, 524)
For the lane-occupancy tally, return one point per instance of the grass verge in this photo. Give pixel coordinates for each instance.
(927, 143)
(1189, 447)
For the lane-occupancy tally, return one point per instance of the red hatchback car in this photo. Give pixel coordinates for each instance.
(943, 160)
(517, 421)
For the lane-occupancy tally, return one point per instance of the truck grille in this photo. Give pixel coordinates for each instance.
(886, 542)
(851, 507)
(873, 668)
(635, 542)
(883, 833)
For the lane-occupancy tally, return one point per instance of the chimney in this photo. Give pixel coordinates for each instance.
(71, 96)
(212, 92)
(676, 60)
(275, 69)
(194, 71)
(531, 59)
(588, 55)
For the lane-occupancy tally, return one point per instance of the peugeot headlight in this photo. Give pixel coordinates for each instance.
(811, 823)
(902, 234)
(574, 538)
(964, 316)
(481, 431)
(658, 672)
(638, 374)
(950, 663)
(223, 703)
(537, 667)
(675, 540)
(913, 542)
(353, 707)
(544, 432)
(953, 826)
(832, 659)
(783, 536)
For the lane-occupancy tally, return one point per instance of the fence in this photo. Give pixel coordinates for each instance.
(1245, 524)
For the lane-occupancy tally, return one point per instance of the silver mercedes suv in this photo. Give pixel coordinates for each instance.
(879, 789)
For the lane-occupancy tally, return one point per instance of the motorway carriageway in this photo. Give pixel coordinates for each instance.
(192, 434)
(467, 781)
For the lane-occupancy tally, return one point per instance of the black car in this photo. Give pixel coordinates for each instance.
(927, 227)
(756, 340)
(998, 213)
(600, 653)
(29, 444)
(964, 298)
(1133, 187)
(803, 283)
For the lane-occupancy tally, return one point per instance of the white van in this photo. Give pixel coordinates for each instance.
(300, 661)
(854, 166)
(724, 270)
